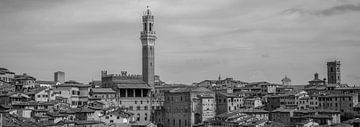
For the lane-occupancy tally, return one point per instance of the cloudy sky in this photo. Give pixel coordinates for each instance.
(249, 40)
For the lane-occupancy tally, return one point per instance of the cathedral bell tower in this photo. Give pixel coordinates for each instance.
(147, 37)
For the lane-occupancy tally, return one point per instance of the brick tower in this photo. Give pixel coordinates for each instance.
(147, 37)
(333, 72)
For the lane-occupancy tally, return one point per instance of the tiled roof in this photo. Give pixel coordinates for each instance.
(229, 94)
(18, 95)
(102, 90)
(135, 85)
(56, 114)
(348, 88)
(352, 121)
(35, 91)
(33, 103)
(251, 110)
(46, 82)
(318, 116)
(317, 110)
(282, 109)
(190, 89)
(121, 112)
(77, 110)
(337, 95)
(80, 122)
(24, 77)
(10, 120)
(72, 84)
(4, 70)
(129, 81)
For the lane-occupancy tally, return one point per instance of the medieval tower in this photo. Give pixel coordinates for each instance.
(147, 37)
(333, 72)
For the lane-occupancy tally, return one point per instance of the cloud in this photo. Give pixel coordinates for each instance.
(336, 10)
(244, 39)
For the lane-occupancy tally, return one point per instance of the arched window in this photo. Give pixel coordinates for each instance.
(150, 26)
(145, 27)
(138, 117)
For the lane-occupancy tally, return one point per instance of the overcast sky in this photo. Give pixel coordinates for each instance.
(248, 40)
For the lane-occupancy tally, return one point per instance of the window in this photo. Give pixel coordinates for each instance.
(38, 96)
(118, 117)
(145, 27)
(137, 107)
(111, 121)
(138, 117)
(107, 117)
(150, 26)
(145, 107)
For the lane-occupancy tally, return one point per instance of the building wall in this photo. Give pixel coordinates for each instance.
(42, 96)
(76, 95)
(109, 119)
(344, 103)
(185, 109)
(178, 110)
(139, 106)
(227, 104)
(272, 103)
(7, 77)
(208, 110)
(252, 103)
(281, 117)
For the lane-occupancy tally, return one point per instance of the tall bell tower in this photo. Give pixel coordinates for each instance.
(148, 37)
(333, 72)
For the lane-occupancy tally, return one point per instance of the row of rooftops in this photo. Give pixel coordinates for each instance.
(286, 110)
(5, 71)
(24, 77)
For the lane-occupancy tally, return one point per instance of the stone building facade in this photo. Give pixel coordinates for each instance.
(131, 93)
(187, 107)
(338, 102)
(227, 102)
